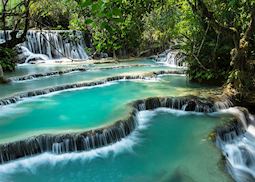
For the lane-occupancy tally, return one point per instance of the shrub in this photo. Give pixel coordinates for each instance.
(7, 59)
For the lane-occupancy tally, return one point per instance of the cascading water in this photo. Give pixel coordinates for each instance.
(53, 44)
(2, 36)
(237, 143)
(63, 143)
(27, 55)
(16, 98)
(171, 58)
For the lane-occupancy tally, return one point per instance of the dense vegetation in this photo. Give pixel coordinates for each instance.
(216, 36)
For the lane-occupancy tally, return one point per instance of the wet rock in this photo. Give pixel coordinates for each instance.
(152, 103)
(4, 81)
(70, 142)
(62, 143)
(191, 106)
(230, 131)
(39, 75)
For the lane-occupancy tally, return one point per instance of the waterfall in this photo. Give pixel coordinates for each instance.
(63, 143)
(173, 58)
(28, 55)
(2, 36)
(55, 73)
(16, 98)
(48, 74)
(237, 144)
(235, 139)
(88, 140)
(51, 44)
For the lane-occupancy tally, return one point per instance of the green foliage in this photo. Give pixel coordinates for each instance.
(132, 26)
(208, 76)
(236, 78)
(11, 4)
(7, 59)
(208, 52)
(51, 14)
(15, 7)
(116, 25)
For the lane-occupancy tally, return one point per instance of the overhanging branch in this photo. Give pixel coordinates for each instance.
(250, 30)
(201, 10)
(14, 39)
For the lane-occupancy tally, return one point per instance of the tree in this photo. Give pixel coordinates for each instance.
(51, 14)
(241, 32)
(116, 26)
(19, 16)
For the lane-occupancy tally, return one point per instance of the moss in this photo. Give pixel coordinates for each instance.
(212, 136)
(226, 123)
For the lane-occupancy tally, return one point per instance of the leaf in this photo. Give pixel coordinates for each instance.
(106, 26)
(118, 20)
(98, 6)
(85, 3)
(116, 12)
(95, 7)
(88, 21)
(109, 14)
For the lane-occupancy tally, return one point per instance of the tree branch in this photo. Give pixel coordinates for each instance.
(215, 48)
(202, 43)
(201, 65)
(201, 10)
(4, 2)
(250, 30)
(14, 39)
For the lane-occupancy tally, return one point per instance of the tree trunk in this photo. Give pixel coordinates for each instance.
(2, 80)
(1, 72)
(240, 57)
(4, 3)
(114, 54)
(239, 77)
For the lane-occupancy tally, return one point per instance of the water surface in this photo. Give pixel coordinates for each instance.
(170, 146)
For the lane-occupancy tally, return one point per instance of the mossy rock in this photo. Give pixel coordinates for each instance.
(212, 136)
(4, 81)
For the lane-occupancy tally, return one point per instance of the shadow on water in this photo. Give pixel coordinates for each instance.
(179, 175)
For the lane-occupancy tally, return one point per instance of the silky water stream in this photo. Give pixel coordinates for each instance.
(163, 141)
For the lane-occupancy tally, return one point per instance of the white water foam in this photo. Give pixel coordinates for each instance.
(240, 154)
(251, 130)
(170, 58)
(146, 79)
(15, 79)
(237, 113)
(7, 110)
(108, 83)
(239, 151)
(172, 74)
(178, 112)
(125, 145)
(10, 107)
